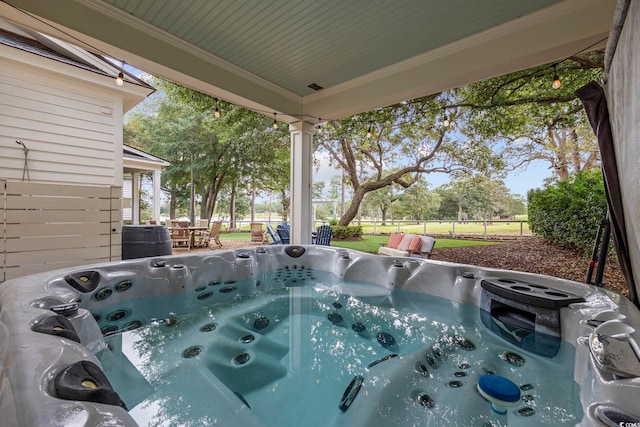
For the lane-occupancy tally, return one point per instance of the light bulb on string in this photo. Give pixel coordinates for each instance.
(445, 121)
(556, 80)
(216, 113)
(275, 121)
(120, 78)
(369, 133)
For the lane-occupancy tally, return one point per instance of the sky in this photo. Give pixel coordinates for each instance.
(521, 181)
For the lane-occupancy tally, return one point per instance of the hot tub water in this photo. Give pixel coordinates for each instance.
(290, 353)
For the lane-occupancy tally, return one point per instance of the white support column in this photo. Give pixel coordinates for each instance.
(135, 198)
(156, 195)
(301, 168)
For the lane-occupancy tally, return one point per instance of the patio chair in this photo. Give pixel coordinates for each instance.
(201, 237)
(283, 233)
(274, 236)
(214, 233)
(323, 236)
(181, 237)
(286, 227)
(257, 233)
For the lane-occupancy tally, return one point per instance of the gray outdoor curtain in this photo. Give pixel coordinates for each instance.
(595, 105)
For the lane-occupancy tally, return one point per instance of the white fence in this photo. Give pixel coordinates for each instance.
(499, 228)
(49, 226)
(453, 228)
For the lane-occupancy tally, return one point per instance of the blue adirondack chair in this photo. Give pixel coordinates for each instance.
(283, 233)
(323, 235)
(274, 235)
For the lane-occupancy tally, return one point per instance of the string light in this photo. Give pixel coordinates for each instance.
(120, 78)
(556, 83)
(556, 80)
(446, 121)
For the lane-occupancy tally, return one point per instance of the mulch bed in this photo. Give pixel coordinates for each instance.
(535, 255)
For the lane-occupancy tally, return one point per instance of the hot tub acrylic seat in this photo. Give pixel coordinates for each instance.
(245, 359)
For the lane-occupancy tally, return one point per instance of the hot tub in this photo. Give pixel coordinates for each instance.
(315, 336)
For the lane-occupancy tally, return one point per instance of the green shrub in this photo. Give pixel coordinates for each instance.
(349, 232)
(569, 212)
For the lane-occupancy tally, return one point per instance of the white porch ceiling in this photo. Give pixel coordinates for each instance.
(364, 53)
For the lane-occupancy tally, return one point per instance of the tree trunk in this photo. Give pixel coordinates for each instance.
(342, 196)
(285, 205)
(576, 158)
(209, 200)
(352, 210)
(210, 196)
(384, 214)
(559, 141)
(253, 204)
(192, 198)
(172, 204)
(232, 208)
(203, 206)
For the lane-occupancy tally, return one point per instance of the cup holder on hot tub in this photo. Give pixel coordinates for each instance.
(525, 314)
(530, 293)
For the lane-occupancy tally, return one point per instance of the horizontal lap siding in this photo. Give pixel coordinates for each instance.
(49, 226)
(69, 127)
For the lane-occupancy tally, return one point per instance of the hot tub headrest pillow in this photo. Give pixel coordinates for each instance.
(84, 380)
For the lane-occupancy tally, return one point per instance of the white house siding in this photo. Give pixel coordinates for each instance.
(72, 129)
(70, 118)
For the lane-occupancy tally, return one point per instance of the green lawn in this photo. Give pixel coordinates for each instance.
(371, 243)
(236, 235)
